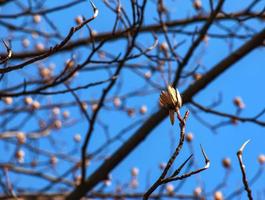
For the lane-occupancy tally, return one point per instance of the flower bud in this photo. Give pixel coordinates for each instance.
(39, 47)
(134, 183)
(21, 138)
(197, 191)
(79, 20)
(189, 137)
(197, 4)
(28, 100)
(238, 102)
(57, 124)
(66, 114)
(20, 155)
(35, 105)
(8, 100)
(25, 42)
(261, 159)
(143, 109)
(134, 171)
(197, 76)
(56, 111)
(170, 189)
(77, 138)
(117, 102)
(53, 160)
(130, 112)
(148, 74)
(226, 163)
(218, 195)
(37, 19)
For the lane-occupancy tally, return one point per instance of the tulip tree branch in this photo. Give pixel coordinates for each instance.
(243, 170)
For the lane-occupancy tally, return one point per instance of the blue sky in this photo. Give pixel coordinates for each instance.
(244, 79)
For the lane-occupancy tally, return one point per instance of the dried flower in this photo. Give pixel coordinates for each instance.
(171, 100)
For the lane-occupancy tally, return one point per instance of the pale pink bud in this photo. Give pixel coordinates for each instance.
(25, 42)
(57, 124)
(197, 4)
(134, 183)
(66, 114)
(53, 160)
(35, 105)
(37, 19)
(189, 137)
(218, 195)
(56, 111)
(239, 102)
(164, 47)
(134, 171)
(94, 106)
(148, 74)
(143, 109)
(21, 138)
(162, 165)
(261, 159)
(20, 155)
(39, 47)
(77, 137)
(28, 100)
(8, 100)
(197, 191)
(79, 20)
(117, 102)
(226, 162)
(170, 189)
